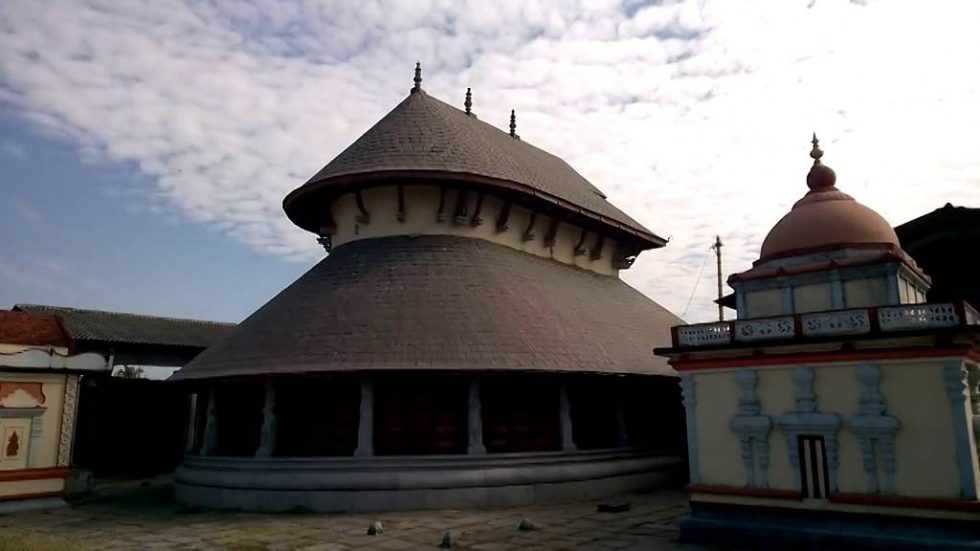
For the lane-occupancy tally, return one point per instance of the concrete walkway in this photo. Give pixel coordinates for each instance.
(148, 520)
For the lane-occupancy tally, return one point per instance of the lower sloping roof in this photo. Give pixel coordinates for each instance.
(443, 302)
(29, 329)
(103, 327)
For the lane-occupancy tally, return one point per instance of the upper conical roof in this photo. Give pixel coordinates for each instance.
(424, 136)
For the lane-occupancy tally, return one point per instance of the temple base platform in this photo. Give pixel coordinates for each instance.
(419, 482)
(754, 527)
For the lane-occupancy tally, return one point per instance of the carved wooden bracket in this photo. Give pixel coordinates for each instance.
(503, 217)
(597, 247)
(441, 214)
(549, 238)
(364, 217)
(476, 220)
(529, 232)
(580, 246)
(460, 216)
(401, 204)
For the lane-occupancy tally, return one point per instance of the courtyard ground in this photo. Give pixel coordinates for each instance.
(145, 518)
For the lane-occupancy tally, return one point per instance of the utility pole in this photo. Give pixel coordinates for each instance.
(717, 248)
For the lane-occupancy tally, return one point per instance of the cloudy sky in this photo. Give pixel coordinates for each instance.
(145, 147)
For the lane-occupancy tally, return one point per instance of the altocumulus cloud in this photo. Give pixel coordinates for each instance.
(694, 117)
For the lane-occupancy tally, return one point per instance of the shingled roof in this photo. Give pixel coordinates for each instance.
(444, 302)
(97, 326)
(425, 137)
(30, 329)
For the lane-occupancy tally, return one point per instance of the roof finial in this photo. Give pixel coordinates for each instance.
(513, 124)
(418, 77)
(816, 152)
(468, 104)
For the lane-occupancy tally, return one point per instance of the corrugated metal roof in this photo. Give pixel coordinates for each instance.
(444, 302)
(117, 327)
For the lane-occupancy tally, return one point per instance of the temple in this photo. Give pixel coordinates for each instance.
(841, 408)
(466, 342)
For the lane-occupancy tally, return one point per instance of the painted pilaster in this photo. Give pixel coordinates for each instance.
(690, 414)
(68, 413)
(875, 430)
(973, 380)
(955, 379)
(365, 424)
(267, 439)
(752, 429)
(210, 439)
(742, 311)
(892, 281)
(474, 417)
(789, 306)
(565, 413)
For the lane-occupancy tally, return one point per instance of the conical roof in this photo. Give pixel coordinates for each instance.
(424, 137)
(444, 302)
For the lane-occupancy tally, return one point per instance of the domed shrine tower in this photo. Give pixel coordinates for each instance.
(467, 342)
(840, 409)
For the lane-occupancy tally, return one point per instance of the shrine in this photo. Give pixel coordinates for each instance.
(840, 409)
(466, 342)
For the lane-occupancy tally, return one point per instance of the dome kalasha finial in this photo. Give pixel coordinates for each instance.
(513, 124)
(468, 104)
(418, 77)
(821, 177)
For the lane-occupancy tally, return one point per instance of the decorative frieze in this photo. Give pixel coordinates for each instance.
(765, 329)
(807, 420)
(845, 322)
(875, 430)
(704, 334)
(752, 429)
(917, 316)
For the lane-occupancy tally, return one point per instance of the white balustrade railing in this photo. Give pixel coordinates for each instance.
(765, 329)
(857, 321)
(704, 334)
(917, 316)
(844, 322)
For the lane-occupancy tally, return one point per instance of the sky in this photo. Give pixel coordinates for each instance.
(145, 147)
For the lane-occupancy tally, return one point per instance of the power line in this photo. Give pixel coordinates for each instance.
(696, 281)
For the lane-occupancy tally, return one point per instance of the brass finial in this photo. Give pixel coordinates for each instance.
(513, 124)
(418, 77)
(468, 104)
(816, 152)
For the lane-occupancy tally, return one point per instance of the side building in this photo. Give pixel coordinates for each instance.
(841, 408)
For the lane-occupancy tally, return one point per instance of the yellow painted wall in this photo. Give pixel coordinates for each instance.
(54, 393)
(865, 292)
(812, 298)
(718, 449)
(764, 303)
(422, 205)
(31, 487)
(914, 392)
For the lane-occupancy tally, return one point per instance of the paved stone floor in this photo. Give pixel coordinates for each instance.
(650, 523)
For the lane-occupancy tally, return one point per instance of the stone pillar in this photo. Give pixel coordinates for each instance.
(565, 416)
(475, 421)
(267, 441)
(365, 424)
(622, 437)
(191, 422)
(210, 427)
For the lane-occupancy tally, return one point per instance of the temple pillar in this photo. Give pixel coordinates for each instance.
(191, 422)
(475, 421)
(622, 437)
(267, 439)
(210, 427)
(565, 416)
(365, 423)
